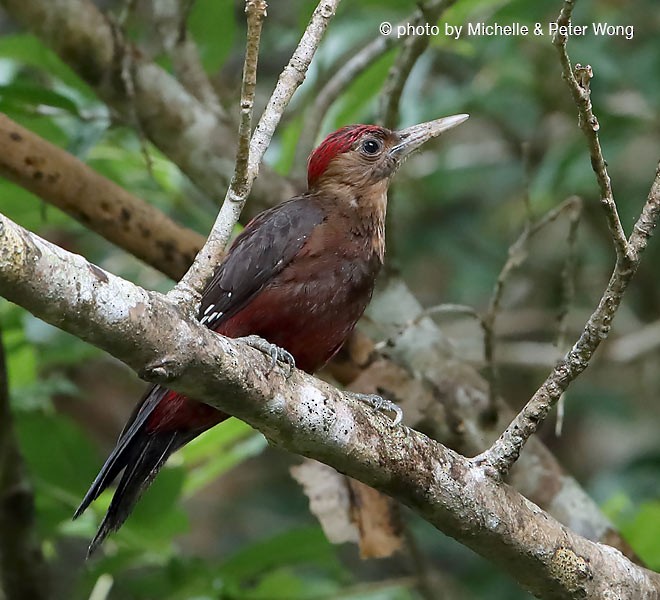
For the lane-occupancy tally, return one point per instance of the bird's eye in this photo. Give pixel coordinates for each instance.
(371, 146)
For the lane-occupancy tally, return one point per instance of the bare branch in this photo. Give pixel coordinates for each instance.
(347, 72)
(194, 138)
(98, 203)
(310, 417)
(413, 48)
(240, 187)
(578, 81)
(505, 451)
(23, 571)
(170, 19)
(334, 87)
(568, 294)
(517, 255)
(289, 81)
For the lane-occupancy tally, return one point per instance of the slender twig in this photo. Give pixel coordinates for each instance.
(290, 79)
(186, 60)
(125, 65)
(578, 81)
(23, 572)
(239, 187)
(346, 74)
(505, 451)
(516, 256)
(525, 153)
(568, 294)
(413, 47)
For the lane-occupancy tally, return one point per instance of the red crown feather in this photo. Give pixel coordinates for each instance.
(336, 143)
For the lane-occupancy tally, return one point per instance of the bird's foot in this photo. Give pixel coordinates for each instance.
(276, 353)
(380, 404)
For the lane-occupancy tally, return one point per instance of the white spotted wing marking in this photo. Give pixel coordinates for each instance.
(266, 245)
(208, 319)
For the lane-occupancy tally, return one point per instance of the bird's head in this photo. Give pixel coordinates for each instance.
(366, 155)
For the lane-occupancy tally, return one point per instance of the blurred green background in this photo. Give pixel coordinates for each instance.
(224, 519)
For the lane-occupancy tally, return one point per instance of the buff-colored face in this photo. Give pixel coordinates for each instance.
(367, 161)
(364, 155)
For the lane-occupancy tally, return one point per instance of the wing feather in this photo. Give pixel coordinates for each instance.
(266, 246)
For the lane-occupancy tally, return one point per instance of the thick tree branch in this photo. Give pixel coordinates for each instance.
(249, 158)
(61, 179)
(174, 120)
(23, 572)
(542, 480)
(311, 418)
(449, 401)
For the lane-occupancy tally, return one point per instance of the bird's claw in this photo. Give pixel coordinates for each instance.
(380, 404)
(276, 353)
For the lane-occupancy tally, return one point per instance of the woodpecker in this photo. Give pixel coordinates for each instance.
(298, 277)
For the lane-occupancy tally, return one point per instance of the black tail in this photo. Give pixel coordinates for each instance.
(140, 454)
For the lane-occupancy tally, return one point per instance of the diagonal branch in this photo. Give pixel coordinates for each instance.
(458, 381)
(312, 418)
(249, 157)
(182, 127)
(505, 451)
(413, 47)
(98, 203)
(578, 82)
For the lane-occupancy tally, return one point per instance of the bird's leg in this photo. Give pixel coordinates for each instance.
(276, 353)
(380, 404)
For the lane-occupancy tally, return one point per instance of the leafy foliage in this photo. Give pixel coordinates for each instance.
(455, 211)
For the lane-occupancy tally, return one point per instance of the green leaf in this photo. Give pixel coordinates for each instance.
(27, 50)
(307, 545)
(217, 451)
(212, 24)
(62, 462)
(643, 533)
(362, 92)
(17, 96)
(21, 359)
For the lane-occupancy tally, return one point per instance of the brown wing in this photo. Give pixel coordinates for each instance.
(266, 246)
